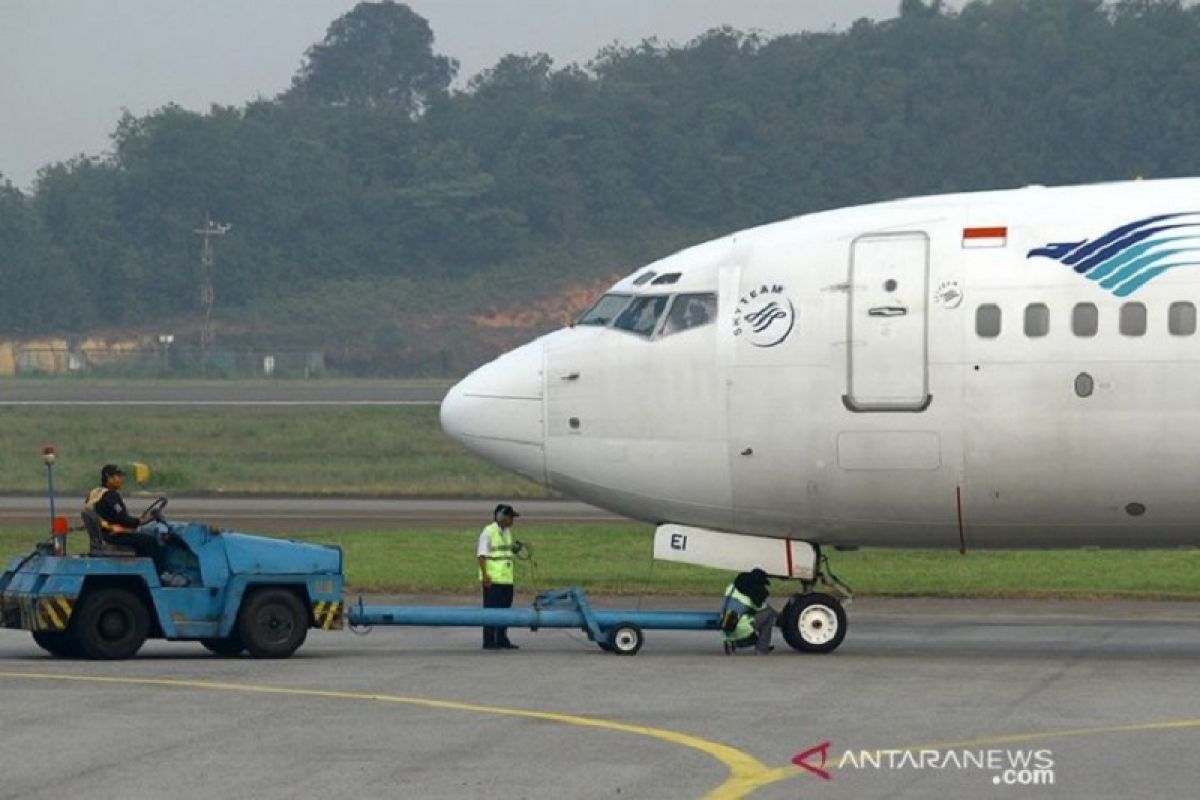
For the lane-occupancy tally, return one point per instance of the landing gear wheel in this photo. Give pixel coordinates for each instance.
(625, 639)
(57, 643)
(273, 623)
(224, 647)
(111, 624)
(814, 623)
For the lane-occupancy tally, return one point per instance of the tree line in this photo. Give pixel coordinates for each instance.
(371, 172)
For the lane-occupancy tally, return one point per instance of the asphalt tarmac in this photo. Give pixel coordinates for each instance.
(284, 514)
(1101, 696)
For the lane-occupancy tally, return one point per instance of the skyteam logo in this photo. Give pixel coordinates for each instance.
(764, 316)
(1126, 258)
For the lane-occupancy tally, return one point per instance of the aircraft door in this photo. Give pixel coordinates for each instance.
(888, 331)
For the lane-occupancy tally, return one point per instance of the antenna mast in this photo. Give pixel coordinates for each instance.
(208, 263)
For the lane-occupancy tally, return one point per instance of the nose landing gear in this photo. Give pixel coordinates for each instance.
(812, 621)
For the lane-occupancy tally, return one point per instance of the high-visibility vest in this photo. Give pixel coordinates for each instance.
(745, 608)
(90, 504)
(499, 559)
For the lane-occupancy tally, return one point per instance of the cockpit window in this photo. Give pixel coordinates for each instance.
(644, 277)
(666, 278)
(690, 311)
(643, 314)
(604, 310)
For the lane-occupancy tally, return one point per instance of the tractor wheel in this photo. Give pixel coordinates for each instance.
(111, 624)
(57, 643)
(273, 623)
(224, 647)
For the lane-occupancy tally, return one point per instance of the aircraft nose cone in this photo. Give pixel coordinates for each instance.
(496, 412)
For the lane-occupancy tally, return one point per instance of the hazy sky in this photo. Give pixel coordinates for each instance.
(68, 67)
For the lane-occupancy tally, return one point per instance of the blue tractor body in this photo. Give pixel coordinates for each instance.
(242, 592)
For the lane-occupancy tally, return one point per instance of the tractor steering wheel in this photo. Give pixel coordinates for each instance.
(154, 510)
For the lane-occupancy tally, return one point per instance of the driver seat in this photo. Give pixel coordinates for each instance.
(97, 545)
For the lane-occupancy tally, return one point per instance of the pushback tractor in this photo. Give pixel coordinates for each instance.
(231, 592)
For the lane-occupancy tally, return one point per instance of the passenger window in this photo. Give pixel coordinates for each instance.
(987, 321)
(1133, 319)
(605, 309)
(1037, 319)
(1181, 319)
(690, 311)
(642, 315)
(1085, 319)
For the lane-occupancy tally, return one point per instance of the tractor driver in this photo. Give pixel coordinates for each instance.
(117, 526)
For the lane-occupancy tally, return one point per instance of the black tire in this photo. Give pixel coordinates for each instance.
(814, 623)
(111, 624)
(625, 639)
(224, 647)
(57, 643)
(272, 623)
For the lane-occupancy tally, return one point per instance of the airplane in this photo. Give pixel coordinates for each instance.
(999, 369)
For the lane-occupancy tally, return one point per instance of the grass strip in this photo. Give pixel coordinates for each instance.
(397, 451)
(615, 559)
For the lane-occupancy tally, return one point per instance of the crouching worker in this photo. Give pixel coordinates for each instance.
(118, 527)
(746, 618)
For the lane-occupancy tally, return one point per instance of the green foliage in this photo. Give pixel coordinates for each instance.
(377, 54)
(369, 178)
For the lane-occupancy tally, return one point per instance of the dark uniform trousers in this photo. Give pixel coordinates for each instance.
(496, 595)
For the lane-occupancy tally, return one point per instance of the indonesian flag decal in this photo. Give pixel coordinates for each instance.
(985, 237)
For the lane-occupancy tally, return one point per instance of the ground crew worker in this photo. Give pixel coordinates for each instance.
(495, 554)
(746, 618)
(117, 526)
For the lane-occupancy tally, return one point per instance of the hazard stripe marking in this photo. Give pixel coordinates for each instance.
(327, 614)
(51, 616)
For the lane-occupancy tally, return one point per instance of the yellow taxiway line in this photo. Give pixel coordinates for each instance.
(746, 773)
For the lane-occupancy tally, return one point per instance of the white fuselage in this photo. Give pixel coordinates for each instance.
(851, 389)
